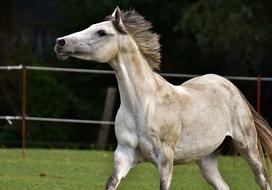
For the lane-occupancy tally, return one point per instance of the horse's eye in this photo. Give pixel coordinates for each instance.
(101, 33)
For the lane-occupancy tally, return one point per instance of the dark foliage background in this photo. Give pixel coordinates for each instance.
(198, 36)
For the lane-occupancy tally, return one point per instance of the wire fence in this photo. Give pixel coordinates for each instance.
(23, 117)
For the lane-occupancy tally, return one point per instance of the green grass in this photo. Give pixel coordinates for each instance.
(89, 170)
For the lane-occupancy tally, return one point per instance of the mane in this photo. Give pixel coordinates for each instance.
(146, 40)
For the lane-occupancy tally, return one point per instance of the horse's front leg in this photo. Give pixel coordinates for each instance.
(165, 166)
(125, 158)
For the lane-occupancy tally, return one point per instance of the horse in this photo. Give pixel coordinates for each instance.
(163, 123)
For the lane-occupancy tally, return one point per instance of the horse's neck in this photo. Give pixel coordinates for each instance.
(136, 80)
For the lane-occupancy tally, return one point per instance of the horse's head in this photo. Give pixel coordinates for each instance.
(98, 43)
(102, 42)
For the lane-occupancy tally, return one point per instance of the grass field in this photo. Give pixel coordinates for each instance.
(89, 170)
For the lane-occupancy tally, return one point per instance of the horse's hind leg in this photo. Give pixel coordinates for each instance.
(210, 172)
(248, 147)
(257, 167)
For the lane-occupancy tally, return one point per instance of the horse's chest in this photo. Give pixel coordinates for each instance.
(152, 127)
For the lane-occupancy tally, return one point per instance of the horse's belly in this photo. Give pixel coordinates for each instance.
(196, 145)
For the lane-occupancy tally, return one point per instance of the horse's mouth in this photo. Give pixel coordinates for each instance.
(61, 53)
(64, 54)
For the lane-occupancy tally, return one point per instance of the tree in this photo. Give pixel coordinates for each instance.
(237, 30)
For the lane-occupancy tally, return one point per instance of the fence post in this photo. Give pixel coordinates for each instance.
(107, 115)
(259, 94)
(23, 100)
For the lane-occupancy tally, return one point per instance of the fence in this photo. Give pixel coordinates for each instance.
(23, 117)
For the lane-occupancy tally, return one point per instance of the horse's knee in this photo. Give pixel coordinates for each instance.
(124, 160)
(112, 182)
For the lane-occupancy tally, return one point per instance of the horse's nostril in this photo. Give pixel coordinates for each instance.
(61, 42)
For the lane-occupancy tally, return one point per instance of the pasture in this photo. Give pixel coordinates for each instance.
(45, 169)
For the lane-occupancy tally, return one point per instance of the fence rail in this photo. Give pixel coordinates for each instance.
(96, 71)
(9, 119)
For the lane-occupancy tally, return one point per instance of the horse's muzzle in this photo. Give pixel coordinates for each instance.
(60, 50)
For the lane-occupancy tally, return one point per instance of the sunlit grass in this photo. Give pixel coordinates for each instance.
(88, 170)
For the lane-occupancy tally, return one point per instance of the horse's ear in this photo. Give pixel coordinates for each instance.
(117, 15)
(115, 10)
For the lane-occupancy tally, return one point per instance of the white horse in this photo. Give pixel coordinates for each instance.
(163, 123)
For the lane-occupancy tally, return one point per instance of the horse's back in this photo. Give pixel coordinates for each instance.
(207, 80)
(217, 87)
(213, 110)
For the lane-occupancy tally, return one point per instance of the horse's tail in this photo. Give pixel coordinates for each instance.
(264, 133)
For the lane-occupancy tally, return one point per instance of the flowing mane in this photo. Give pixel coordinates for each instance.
(147, 41)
